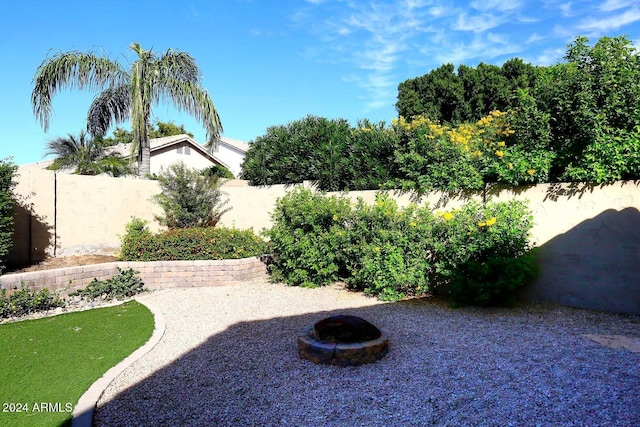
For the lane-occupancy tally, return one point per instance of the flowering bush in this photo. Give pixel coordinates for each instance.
(496, 149)
(392, 253)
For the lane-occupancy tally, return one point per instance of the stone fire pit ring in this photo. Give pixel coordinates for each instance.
(343, 341)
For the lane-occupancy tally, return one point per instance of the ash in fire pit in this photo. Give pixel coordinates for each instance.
(343, 341)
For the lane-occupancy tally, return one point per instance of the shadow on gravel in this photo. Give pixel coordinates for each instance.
(445, 367)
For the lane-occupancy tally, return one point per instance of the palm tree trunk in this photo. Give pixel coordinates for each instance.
(144, 161)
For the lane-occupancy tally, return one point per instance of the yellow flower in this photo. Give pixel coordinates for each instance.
(499, 153)
(531, 171)
(510, 165)
(482, 224)
(335, 217)
(412, 224)
(501, 144)
(377, 249)
(491, 221)
(447, 216)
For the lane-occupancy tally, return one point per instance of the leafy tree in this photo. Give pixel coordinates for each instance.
(189, 198)
(86, 155)
(163, 129)
(127, 94)
(157, 130)
(308, 149)
(437, 95)
(7, 183)
(593, 99)
(328, 152)
(472, 93)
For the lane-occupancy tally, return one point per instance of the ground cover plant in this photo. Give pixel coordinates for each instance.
(139, 244)
(47, 364)
(125, 284)
(394, 252)
(24, 301)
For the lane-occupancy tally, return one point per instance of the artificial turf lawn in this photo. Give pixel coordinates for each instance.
(47, 364)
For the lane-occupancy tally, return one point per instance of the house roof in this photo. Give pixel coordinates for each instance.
(234, 143)
(167, 141)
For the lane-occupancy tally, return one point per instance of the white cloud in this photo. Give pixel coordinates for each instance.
(565, 8)
(501, 5)
(548, 57)
(533, 38)
(477, 23)
(611, 5)
(612, 22)
(482, 48)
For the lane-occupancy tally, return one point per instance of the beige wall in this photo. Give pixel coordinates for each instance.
(89, 212)
(589, 237)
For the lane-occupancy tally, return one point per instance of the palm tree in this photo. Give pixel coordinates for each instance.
(124, 94)
(86, 155)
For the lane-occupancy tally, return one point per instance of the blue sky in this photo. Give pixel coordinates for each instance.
(269, 62)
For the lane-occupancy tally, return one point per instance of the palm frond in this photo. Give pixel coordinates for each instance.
(178, 66)
(191, 98)
(71, 70)
(110, 106)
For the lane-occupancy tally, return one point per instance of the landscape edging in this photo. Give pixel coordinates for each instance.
(154, 274)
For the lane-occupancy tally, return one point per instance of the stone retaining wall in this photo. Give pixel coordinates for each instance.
(154, 274)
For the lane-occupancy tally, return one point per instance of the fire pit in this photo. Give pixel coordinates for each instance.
(343, 341)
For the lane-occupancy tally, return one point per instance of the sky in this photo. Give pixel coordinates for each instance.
(270, 62)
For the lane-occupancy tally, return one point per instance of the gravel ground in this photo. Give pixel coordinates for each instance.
(229, 358)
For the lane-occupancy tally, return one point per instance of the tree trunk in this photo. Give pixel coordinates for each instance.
(144, 160)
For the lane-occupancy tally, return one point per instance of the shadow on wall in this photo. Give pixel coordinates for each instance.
(31, 238)
(594, 265)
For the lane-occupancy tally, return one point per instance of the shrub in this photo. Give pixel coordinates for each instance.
(492, 281)
(305, 239)
(26, 301)
(388, 254)
(189, 198)
(125, 284)
(481, 252)
(217, 171)
(192, 244)
(7, 175)
(393, 253)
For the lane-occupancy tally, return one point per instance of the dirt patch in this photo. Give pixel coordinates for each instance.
(617, 342)
(69, 261)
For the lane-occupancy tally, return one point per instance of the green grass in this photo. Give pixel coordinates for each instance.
(55, 360)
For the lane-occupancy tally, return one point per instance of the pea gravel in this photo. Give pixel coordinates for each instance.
(229, 358)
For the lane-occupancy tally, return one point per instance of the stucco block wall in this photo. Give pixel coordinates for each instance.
(155, 275)
(588, 235)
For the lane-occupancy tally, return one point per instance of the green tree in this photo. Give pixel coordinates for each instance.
(329, 152)
(593, 100)
(162, 129)
(189, 198)
(437, 95)
(86, 156)
(310, 149)
(157, 130)
(127, 94)
(7, 183)
(448, 97)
